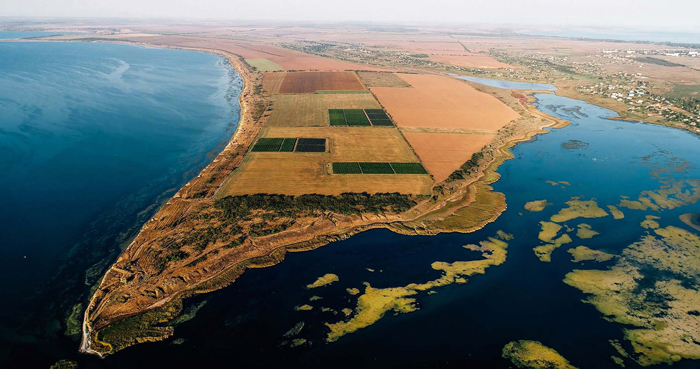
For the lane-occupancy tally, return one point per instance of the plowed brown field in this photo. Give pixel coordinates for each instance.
(443, 102)
(443, 153)
(310, 82)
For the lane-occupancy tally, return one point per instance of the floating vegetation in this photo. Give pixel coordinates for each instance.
(534, 355)
(65, 364)
(616, 213)
(574, 145)
(585, 231)
(315, 298)
(544, 252)
(560, 183)
(549, 231)
(653, 291)
(353, 291)
(650, 222)
(347, 311)
(583, 253)
(669, 196)
(579, 209)
(305, 307)
(692, 220)
(537, 205)
(323, 281)
(295, 330)
(374, 303)
(297, 342)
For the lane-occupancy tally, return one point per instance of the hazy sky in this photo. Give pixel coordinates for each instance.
(657, 14)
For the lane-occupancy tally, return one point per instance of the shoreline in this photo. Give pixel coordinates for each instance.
(466, 193)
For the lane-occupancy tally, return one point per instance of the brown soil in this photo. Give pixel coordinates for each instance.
(310, 82)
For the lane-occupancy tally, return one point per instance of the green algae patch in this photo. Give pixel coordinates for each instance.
(585, 231)
(669, 196)
(305, 307)
(374, 303)
(653, 290)
(315, 298)
(616, 213)
(353, 291)
(650, 222)
(295, 330)
(534, 355)
(583, 253)
(579, 209)
(537, 206)
(297, 342)
(65, 364)
(549, 231)
(323, 281)
(544, 252)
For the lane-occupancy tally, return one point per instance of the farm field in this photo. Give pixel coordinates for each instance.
(264, 65)
(290, 145)
(443, 153)
(444, 103)
(276, 172)
(311, 110)
(310, 82)
(378, 168)
(381, 79)
(271, 82)
(359, 117)
(469, 60)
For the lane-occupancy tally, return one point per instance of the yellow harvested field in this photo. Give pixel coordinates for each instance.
(443, 102)
(443, 153)
(264, 65)
(311, 110)
(307, 173)
(272, 82)
(381, 79)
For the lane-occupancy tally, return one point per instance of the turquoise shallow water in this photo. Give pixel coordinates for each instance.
(92, 138)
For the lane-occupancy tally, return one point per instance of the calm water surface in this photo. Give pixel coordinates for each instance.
(92, 138)
(508, 84)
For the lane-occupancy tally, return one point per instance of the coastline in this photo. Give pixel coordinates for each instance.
(425, 218)
(246, 131)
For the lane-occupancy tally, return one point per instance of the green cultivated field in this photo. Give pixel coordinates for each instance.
(264, 65)
(378, 168)
(290, 145)
(359, 117)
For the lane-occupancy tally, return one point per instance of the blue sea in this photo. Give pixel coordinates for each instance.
(93, 138)
(622, 35)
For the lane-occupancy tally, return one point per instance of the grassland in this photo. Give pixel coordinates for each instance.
(311, 110)
(271, 82)
(381, 79)
(310, 82)
(264, 65)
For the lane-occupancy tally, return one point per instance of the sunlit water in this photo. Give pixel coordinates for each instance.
(92, 138)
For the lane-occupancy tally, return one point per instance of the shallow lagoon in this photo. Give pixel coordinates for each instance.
(462, 325)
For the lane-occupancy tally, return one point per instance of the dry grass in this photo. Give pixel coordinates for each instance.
(381, 79)
(469, 60)
(311, 110)
(444, 103)
(307, 173)
(272, 81)
(310, 82)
